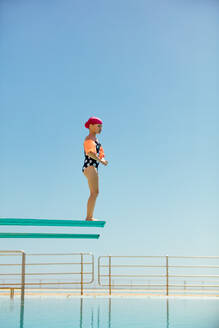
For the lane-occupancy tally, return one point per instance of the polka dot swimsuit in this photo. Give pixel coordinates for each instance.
(88, 161)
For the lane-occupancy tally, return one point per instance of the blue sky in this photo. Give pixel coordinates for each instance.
(150, 70)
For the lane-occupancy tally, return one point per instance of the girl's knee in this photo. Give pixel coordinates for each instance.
(94, 193)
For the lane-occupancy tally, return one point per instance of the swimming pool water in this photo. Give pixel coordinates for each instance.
(109, 313)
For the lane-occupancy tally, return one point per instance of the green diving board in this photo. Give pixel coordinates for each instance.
(48, 235)
(52, 222)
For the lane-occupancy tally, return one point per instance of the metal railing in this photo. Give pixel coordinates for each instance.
(159, 274)
(20, 255)
(166, 275)
(31, 268)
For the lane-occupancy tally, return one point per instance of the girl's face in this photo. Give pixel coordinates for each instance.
(96, 128)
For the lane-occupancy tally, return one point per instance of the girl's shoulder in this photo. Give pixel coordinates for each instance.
(89, 138)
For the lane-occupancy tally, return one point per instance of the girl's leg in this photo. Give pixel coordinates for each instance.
(93, 181)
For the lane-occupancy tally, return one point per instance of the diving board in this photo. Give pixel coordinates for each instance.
(48, 235)
(50, 222)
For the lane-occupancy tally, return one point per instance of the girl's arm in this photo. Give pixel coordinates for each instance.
(94, 156)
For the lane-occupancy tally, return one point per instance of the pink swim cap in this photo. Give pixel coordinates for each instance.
(93, 120)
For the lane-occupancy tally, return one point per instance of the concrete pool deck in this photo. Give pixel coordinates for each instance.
(93, 293)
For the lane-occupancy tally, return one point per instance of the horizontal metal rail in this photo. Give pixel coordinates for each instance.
(44, 273)
(158, 275)
(55, 254)
(47, 283)
(57, 263)
(160, 266)
(162, 285)
(132, 266)
(160, 256)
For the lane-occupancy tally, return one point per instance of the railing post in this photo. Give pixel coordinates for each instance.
(23, 276)
(11, 293)
(92, 280)
(167, 276)
(82, 274)
(110, 284)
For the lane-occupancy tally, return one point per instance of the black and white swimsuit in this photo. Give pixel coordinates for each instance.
(89, 161)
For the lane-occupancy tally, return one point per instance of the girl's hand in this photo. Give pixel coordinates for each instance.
(104, 162)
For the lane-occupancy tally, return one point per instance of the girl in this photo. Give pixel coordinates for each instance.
(94, 154)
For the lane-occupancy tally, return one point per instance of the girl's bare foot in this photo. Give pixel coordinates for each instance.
(91, 219)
